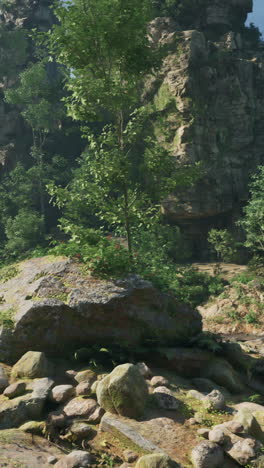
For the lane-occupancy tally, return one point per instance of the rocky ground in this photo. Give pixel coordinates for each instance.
(160, 406)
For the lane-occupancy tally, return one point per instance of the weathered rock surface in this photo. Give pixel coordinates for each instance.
(75, 459)
(44, 322)
(3, 379)
(194, 362)
(123, 392)
(207, 455)
(62, 393)
(24, 408)
(80, 408)
(215, 400)
(15, 389)
(157, 460)
(208, 94)
(31, 365)
(165, 399)
(19, 449)
(121, 427)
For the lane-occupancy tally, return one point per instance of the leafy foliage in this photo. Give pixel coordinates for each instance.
(121, 182)
(23, 231)
(253, 220)
(223, 243)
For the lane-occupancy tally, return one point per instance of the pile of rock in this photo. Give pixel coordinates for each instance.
(240, 439)
(75, 405)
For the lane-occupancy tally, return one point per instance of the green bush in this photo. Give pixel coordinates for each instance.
(253, 220)
(24, 231)
(108, 257)
(223, 244)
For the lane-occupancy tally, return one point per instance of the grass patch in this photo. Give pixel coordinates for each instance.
(8, 272)
(7, 318)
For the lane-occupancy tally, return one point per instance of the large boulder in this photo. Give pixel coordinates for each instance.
(221, 372)
(33, 364)
(207, 455)
(123, 392)
(250, 423)
(53, 318)
(27, 407)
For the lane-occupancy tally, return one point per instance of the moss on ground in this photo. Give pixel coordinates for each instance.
(8, 272)
(7, 318)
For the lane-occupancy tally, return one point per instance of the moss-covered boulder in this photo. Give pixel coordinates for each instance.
(252, 421)
(156, 460)
(124, 391)
(34, 427)
(259, 417)
(57, 308)
(31, 365)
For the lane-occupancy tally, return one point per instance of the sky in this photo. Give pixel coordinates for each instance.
(257, 17)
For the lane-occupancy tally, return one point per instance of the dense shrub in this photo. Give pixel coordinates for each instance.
(24, 231)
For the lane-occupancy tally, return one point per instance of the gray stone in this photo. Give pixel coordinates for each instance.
(57, 419)
(86, 375)
(14, 390)
(221, 372)
(20, 449)
(31, 365)
(80, 408)
(75, 459)
(55, 327)
(144, 370)
(195, 395)
(42, 387)
(3, 379)
(156, 460)
(62, 393)
(217, 435)
(124, 391)
(17, 411)
(159, 381)
(84, 388)
(214, 401)
(207, 455)
(244, 451)
(114, 425)
(165, 398)
(80, 429)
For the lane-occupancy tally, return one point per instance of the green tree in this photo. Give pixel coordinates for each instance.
(121, 180)
(37, 97)
(24, 231)
(253, 220)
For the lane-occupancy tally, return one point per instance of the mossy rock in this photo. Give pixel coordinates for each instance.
(123, 392)
(32, 365)
(156, 460)
(34, 427)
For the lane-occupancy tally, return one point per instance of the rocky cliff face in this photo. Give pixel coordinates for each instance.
(209, 96)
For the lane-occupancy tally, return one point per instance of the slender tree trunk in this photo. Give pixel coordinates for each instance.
(128, 227)
(126, 206)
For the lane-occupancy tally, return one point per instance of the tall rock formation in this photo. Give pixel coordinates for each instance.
(209, 94)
